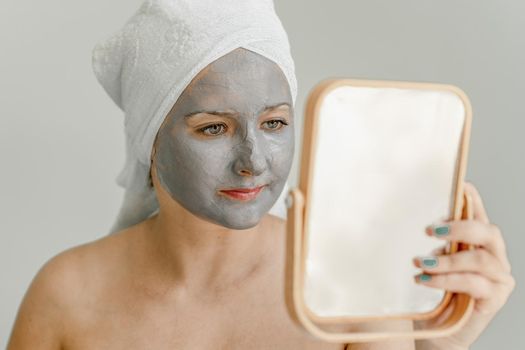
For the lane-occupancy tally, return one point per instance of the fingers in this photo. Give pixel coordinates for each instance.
(477, 233)
(478, 208)
(476, 261)
(484, 273)
(473, 284)
(490, 296)
(439, 250)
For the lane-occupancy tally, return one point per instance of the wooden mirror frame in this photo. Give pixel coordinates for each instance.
(358, 329)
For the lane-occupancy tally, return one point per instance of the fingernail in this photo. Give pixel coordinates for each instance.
(424, 277)
(439, 230)
(428, 261)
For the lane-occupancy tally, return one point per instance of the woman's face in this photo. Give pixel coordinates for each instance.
(231, 128)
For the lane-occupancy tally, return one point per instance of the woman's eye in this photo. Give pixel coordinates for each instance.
(213, 130)
(275, 124)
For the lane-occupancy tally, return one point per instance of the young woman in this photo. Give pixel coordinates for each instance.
(205, 271)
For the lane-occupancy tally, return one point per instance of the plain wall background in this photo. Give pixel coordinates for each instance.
(62, 141)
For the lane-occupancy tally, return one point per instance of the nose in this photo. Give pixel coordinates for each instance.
(249, 159)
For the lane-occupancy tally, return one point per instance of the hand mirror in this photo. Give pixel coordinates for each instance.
(381, 161)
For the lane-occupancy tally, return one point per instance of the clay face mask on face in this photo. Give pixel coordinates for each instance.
(250, 143)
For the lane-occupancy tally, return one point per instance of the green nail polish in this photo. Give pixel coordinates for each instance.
(441, 230)
(429, 262)
(424, 277)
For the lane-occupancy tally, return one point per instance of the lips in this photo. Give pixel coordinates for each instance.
(243, 194)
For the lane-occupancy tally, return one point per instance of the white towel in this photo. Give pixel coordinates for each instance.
(146, 65)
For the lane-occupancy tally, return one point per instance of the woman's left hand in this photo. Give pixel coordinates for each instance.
(484, 273)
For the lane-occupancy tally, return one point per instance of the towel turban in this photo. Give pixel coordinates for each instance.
(146, 65)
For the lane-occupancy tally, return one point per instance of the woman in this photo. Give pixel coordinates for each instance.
(200, 263)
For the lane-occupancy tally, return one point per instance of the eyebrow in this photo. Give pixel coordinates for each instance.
(227, 114)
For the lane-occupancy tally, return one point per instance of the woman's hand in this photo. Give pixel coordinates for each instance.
(484, 273)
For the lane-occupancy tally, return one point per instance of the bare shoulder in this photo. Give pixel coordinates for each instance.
(63, 283)
(75, 271)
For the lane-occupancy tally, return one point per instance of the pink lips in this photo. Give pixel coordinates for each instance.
(243, 194)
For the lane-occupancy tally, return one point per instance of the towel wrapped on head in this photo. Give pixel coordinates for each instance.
(147, 64)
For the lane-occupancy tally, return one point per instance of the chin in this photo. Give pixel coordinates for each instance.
(241, 224)
(240, 220)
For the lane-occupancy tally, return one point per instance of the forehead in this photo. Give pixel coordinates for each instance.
(241, 80)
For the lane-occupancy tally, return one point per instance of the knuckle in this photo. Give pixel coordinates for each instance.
(497, 237)
(487, 284)
(495, 228)
(469, 282)
(481, 285)
(495, 232)
(508, 267)
(482, 258)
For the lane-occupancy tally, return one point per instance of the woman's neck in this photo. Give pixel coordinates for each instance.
(201, 257)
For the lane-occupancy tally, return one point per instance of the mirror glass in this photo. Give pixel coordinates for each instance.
(384, 167)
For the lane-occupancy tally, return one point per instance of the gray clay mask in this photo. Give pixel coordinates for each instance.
(231, 128)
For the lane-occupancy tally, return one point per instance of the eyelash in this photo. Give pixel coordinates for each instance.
(202, 130)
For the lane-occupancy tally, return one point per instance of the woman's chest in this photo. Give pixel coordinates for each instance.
(244, 321)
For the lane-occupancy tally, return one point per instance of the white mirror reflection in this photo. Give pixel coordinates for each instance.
(385, 167)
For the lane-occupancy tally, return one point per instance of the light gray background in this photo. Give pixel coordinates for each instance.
(62, 141)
